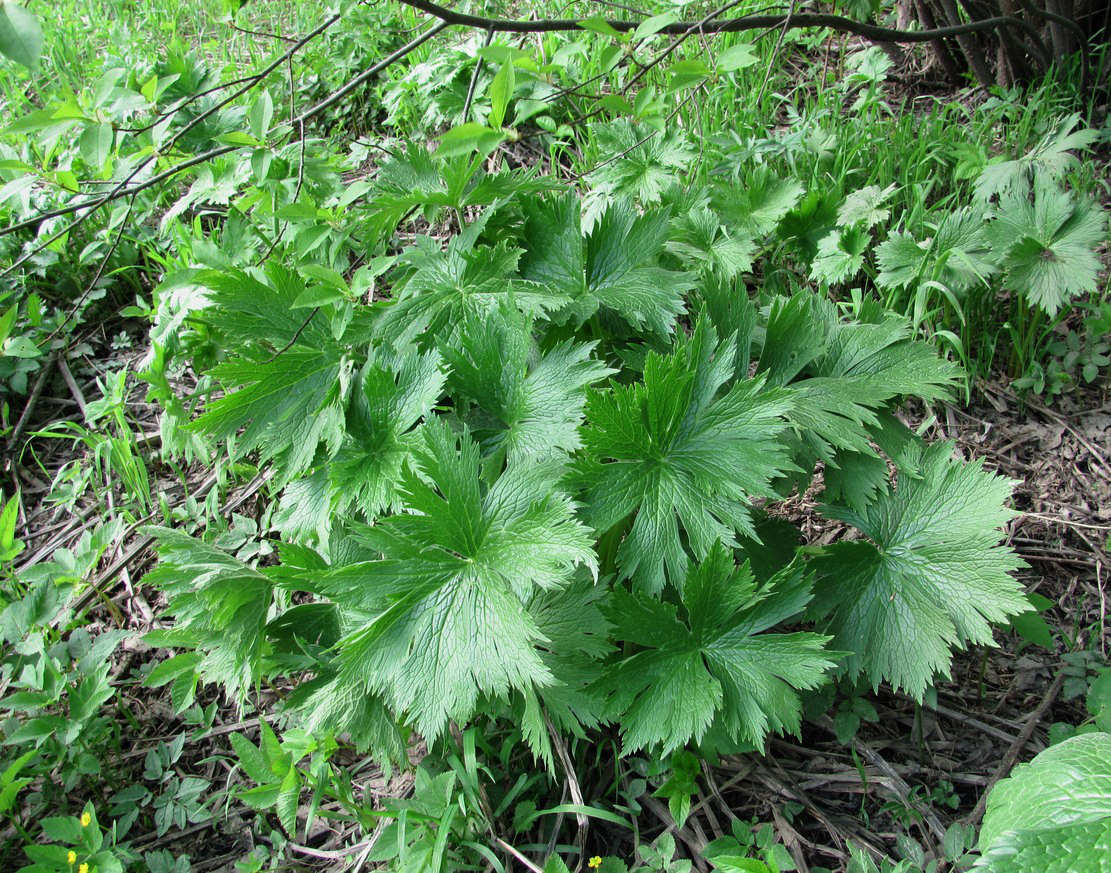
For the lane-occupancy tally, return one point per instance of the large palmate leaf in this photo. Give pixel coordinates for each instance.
(959, 255)
(611, 269)
(840, 256)
(845, 373)
(393, 394)
(931, 576)
(1049, 160)
(220, 605)
(677, 452)
(441, 618)
(445, 286)
(396, 393)
(716, 660)
(517, 399)
(285, 373)
(1047, 245)
(1052, 815)
(698, 238)
(413, 180)
(865, 207)
(637, 163)
(756, 202)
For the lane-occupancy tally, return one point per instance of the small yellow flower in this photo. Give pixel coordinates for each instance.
(84, 868)
(594, 862)
(71, 858)
(85, 819)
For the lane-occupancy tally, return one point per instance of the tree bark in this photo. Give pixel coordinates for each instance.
(969, 47)
(941, 51)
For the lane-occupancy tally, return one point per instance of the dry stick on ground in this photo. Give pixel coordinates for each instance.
(36, 393)
(521, 858)
(71, 383)
(695, 843)
(572, 782)
(897, 782)
(96, 586)
(839, 837)
(1011, 758)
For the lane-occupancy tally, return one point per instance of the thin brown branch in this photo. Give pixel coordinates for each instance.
(99, 272)
(721, 25)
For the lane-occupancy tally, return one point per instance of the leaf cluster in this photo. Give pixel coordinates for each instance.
(534, 481)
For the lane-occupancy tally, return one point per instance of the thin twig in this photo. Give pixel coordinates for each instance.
(32, 400)
(1065, 521)
(293, 338)
(474, 78)
(898, 784)
(775, 51)
(73, 310)
(573, 786)
(71, 383)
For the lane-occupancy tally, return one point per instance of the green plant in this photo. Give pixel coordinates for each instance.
(1053, 813)
(750, 849)
(526, 441)
(77, 843)
(273, 767)
(175, 800)
(1085, 676)
(476, 526)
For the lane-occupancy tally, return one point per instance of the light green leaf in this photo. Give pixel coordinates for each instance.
(1052, 815)
(95, 144)
(465, 139)
(611, 269)
(519, 400)
(260, 115)
(652, 26)
(713, 661)
(756, 202)
(686, 74)
(599, 25)
(317, 295)
(501, 92)
(20, 35)
(1048, 246)
(737, 57)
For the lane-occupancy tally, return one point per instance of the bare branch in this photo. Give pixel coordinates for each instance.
(723, 25)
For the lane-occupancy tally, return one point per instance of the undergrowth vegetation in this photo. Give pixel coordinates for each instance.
(521, 426)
